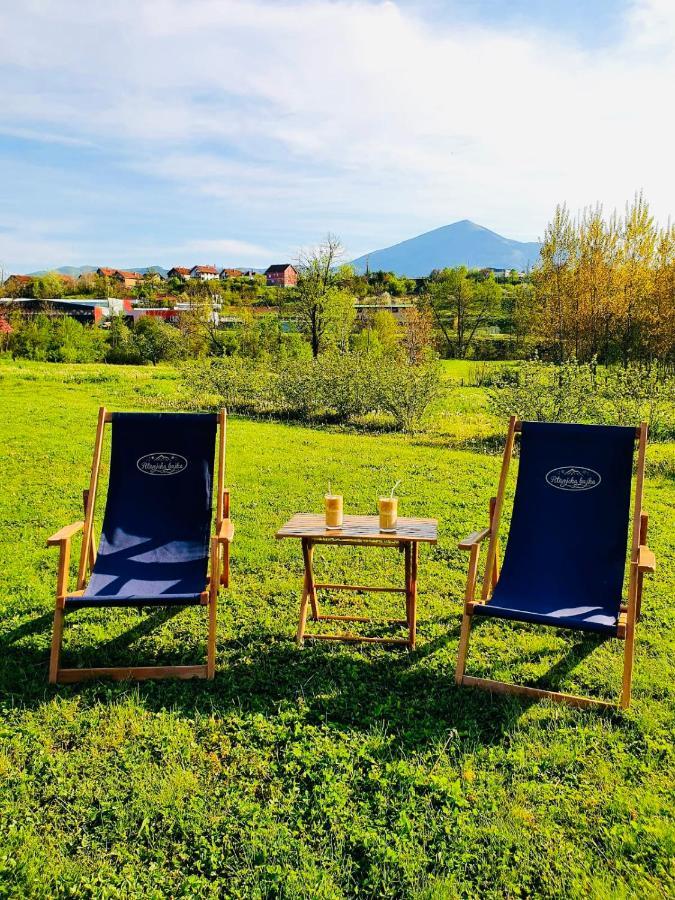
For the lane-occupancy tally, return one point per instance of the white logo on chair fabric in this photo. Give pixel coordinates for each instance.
(161, 464)
(573, 478)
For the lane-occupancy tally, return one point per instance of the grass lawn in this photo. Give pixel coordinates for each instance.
(336, 770)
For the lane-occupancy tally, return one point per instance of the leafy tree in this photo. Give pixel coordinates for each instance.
(48, 286)
(120, 346)
(387, 330)
(31, 337)
(605, 287)
(406, 392)
(417, 334)
(316, 284)
(461, 306)
(145, 290)
(340, 318)
(154, 341)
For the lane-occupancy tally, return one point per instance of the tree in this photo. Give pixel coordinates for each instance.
(461, 305)
(554, 281)
(519, 306)
(154, 341)
(637, 251)
(316, 281)
(48, 286)
(340, 315)
(417, 334)
(605, 287)
(145, 290)
(387, 330)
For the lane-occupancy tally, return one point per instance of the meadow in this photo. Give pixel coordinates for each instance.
(330, 771)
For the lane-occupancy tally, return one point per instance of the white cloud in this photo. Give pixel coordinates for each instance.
(359, 117)
(224, 251)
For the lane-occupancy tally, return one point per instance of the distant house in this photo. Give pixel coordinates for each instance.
(204, 273)
(179, 272)
(126, 279)
(282, 275)
(366, 310)
(230, 273)
(498, 274)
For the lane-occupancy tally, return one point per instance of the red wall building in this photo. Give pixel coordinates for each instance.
(283, 275)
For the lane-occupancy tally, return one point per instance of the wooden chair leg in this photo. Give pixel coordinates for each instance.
(463, 647)
(628, 656)
(214, 584)
(225, 578)
(644, 525)
(57, 637)
(495, 566)
(469, 595)
(211, 647)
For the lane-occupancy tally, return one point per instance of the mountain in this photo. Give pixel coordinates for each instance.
(76, 271)
(460, 244)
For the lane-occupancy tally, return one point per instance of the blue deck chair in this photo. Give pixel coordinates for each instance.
(566, 551)
(156, 546)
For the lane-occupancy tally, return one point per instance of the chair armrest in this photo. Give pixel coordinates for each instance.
(226, 532)
(64, 534)
(476, 537)
(646, 561)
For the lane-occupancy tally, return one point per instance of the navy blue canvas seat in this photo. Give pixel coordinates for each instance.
(154, 546)
(157, 547)
(565, 557)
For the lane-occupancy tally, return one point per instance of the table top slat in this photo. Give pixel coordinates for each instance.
(313, 525)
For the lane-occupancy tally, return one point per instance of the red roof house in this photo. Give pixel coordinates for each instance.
(282, 275)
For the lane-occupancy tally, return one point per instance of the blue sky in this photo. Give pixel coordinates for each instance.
(236, 133)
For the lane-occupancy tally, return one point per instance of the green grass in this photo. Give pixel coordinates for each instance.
(333, 771)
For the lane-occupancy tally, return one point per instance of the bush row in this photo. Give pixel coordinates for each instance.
(336, 387)
(576, 392)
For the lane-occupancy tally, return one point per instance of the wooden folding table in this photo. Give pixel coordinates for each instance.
(359, 531)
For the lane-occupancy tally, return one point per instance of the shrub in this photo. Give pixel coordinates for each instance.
(544, 392)
(406, 391)
(639, 393)
(575, 392)
(337, 387)
(299, 388)
(155, 341)
(60, 339)
(239, 384)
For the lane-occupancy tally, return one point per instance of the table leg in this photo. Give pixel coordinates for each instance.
(406, 557)
(308, 556)
(300, 637)
(412, 595)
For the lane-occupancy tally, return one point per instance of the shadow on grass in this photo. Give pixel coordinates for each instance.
(410, 695)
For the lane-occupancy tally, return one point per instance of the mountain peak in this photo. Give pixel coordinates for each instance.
(462, 243)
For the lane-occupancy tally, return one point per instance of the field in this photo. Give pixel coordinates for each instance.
(335, 770)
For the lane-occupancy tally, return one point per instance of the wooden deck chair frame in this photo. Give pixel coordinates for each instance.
(219, 573)
(642, 561)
